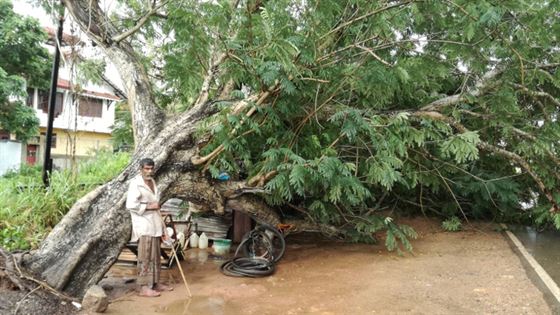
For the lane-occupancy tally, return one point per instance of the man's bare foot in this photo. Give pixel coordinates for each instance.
(145, 291)
(162, 287)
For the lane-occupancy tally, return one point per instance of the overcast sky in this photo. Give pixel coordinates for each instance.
(23, 7)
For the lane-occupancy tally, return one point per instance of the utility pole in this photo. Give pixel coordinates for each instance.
(47, 163)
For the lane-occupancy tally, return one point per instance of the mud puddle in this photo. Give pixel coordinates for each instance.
(543, 246)
(199, 305)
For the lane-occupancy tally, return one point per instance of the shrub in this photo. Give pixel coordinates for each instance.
(452, 224)
(29, 212)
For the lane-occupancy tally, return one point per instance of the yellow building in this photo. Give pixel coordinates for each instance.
(83, 117)
(82, 123)
(68, 145)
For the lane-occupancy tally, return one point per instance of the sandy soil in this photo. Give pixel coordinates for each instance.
(470, 272)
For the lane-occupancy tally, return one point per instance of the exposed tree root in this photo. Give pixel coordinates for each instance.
(25, 283)
(23, 294)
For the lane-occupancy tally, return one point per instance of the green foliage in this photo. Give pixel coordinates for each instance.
(343, 133)
(398, 233)
(15, 117)
(452, 224)
(122, 134)
(21, 50)
(91, 71)
(367, 226)
(29, 211)
(373, 105)
(462, 147)
(23, 62)
(13, 238)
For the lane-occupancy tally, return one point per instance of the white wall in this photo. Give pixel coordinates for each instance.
(69, 115)
(10, 155)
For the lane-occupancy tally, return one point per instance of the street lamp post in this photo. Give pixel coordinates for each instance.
(47, 163)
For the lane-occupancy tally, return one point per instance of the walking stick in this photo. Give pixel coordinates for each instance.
(174, 253)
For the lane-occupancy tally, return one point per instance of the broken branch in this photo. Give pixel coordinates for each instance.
(141, 22)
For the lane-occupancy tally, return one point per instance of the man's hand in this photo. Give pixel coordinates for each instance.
(166, 239)
(152, 206)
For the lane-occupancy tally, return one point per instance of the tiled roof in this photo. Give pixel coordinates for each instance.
(66, 38)
(65, 84)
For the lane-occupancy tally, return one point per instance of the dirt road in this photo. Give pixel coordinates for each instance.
(470, 272)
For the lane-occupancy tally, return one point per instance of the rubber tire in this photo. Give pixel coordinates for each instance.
(264, 238)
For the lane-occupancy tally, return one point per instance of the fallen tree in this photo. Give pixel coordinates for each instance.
(341, 111)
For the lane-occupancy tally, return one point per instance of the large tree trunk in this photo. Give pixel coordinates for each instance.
(88, 240)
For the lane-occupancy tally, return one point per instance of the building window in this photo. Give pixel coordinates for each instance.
(53, 139)
(43, 102)
(90, 107)
(30, 98)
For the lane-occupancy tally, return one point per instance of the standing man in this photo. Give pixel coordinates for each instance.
(142, 201)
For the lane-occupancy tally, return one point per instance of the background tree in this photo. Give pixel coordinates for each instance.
(122, 135)
(333, 113)
(23, 63)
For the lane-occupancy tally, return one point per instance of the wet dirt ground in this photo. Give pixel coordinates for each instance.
(470, 272)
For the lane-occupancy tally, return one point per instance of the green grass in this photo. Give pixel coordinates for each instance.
(28, 212)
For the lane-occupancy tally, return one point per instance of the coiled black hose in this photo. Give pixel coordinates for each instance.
(247, 267)
(261, 247)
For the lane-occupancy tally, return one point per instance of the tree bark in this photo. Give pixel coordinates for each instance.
(147, 118)
(87, 241)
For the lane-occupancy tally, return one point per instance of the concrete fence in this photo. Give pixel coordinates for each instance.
(10, 155)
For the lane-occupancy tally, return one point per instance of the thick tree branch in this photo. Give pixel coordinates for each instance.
(374, 55)
(81, 252)
(520, 133)
(141, 22)
(365, 16)
(260, 179)
(260, 99)
(538, 94)
(494, 149)
(485, 82)
(215, 61)
(147, 117)
(298, 226)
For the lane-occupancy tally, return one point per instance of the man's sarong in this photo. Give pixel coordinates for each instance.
(148, 261)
